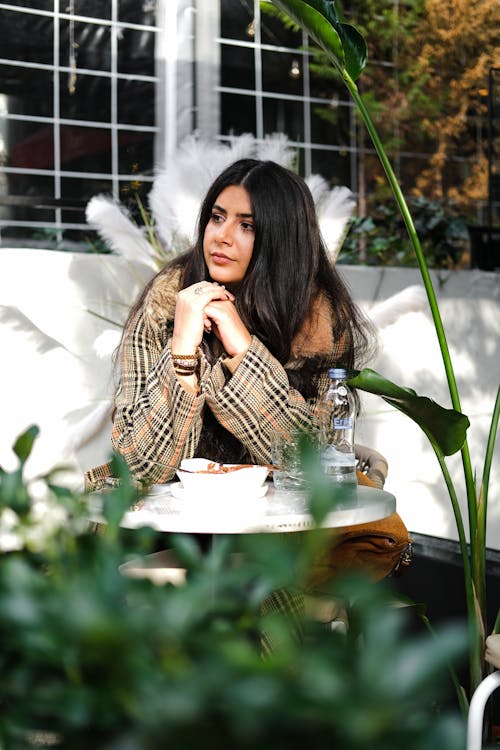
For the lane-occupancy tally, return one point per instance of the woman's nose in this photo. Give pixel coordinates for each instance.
(224, 233)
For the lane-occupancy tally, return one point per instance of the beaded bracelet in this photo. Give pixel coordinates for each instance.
(185, 369)
(185, 362)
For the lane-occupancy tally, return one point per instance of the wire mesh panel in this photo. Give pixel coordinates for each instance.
(77, 113)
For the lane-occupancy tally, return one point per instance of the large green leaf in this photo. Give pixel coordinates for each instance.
(342, 42)
(445, 428)
(24, 443)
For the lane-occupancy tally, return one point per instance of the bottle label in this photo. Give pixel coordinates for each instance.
(342, 423)
(336, 461)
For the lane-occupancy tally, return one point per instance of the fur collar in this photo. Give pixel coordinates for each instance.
(315, 337)
(159, 305)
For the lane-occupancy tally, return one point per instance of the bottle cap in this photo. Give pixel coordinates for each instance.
(337, 372)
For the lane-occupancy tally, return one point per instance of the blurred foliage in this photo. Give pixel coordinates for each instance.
(93, 659)
(382, 237)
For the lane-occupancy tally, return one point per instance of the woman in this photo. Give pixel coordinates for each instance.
(232, 340)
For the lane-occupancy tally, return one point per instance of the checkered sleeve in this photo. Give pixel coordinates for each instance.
(258, 400)
(157, 422)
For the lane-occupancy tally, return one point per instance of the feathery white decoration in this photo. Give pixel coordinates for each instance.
(106, 343)
(334, 208)
(276, 148)
(87, 428)
(179, 188)
(411, 299)
(79, 434)
(18, 321)
(121, 234)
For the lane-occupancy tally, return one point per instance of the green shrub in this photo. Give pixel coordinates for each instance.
(382, 239)
(92, 659)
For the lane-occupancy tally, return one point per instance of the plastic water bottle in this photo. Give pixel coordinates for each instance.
(337, 417)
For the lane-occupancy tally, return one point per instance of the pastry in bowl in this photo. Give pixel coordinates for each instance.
(202, 476)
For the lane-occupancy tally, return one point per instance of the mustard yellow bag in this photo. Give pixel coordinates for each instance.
(377, 549)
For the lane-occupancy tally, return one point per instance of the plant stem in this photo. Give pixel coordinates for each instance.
(438, 323)
(480, 563)
(475, 614)
(461, 697)
(476, 553)
(487, 464)
(153, 241)
(496, 627)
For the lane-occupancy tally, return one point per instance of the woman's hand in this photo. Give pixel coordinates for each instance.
(228, 327)
(191, 319)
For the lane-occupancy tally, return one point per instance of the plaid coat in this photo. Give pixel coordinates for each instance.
(239, 402)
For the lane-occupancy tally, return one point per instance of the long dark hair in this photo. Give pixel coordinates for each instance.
(289, 264)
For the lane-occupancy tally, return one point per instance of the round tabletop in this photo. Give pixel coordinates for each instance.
(166, 509)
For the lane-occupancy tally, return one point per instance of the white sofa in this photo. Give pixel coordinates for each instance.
(54, 306)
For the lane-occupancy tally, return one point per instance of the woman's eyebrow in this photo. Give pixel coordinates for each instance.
(222, 210)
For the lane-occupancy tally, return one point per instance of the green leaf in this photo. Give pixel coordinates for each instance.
(445, 428)
(24, 443)
(354, 49)
(343, 44)
(188, 550)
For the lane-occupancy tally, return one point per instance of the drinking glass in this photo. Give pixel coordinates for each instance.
(286, 457)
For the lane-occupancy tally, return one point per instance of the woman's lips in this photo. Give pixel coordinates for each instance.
(221, 259)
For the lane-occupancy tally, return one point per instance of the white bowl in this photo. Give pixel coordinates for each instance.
(197, 479)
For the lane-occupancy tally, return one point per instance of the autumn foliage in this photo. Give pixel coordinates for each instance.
(454, 48)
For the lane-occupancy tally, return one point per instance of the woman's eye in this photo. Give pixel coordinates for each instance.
(247, 227)
(216, 218)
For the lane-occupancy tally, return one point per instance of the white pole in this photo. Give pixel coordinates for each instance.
(476, 710)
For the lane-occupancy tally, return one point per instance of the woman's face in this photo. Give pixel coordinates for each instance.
(229, 237)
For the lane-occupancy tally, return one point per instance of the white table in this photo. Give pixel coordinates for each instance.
(277, 512)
